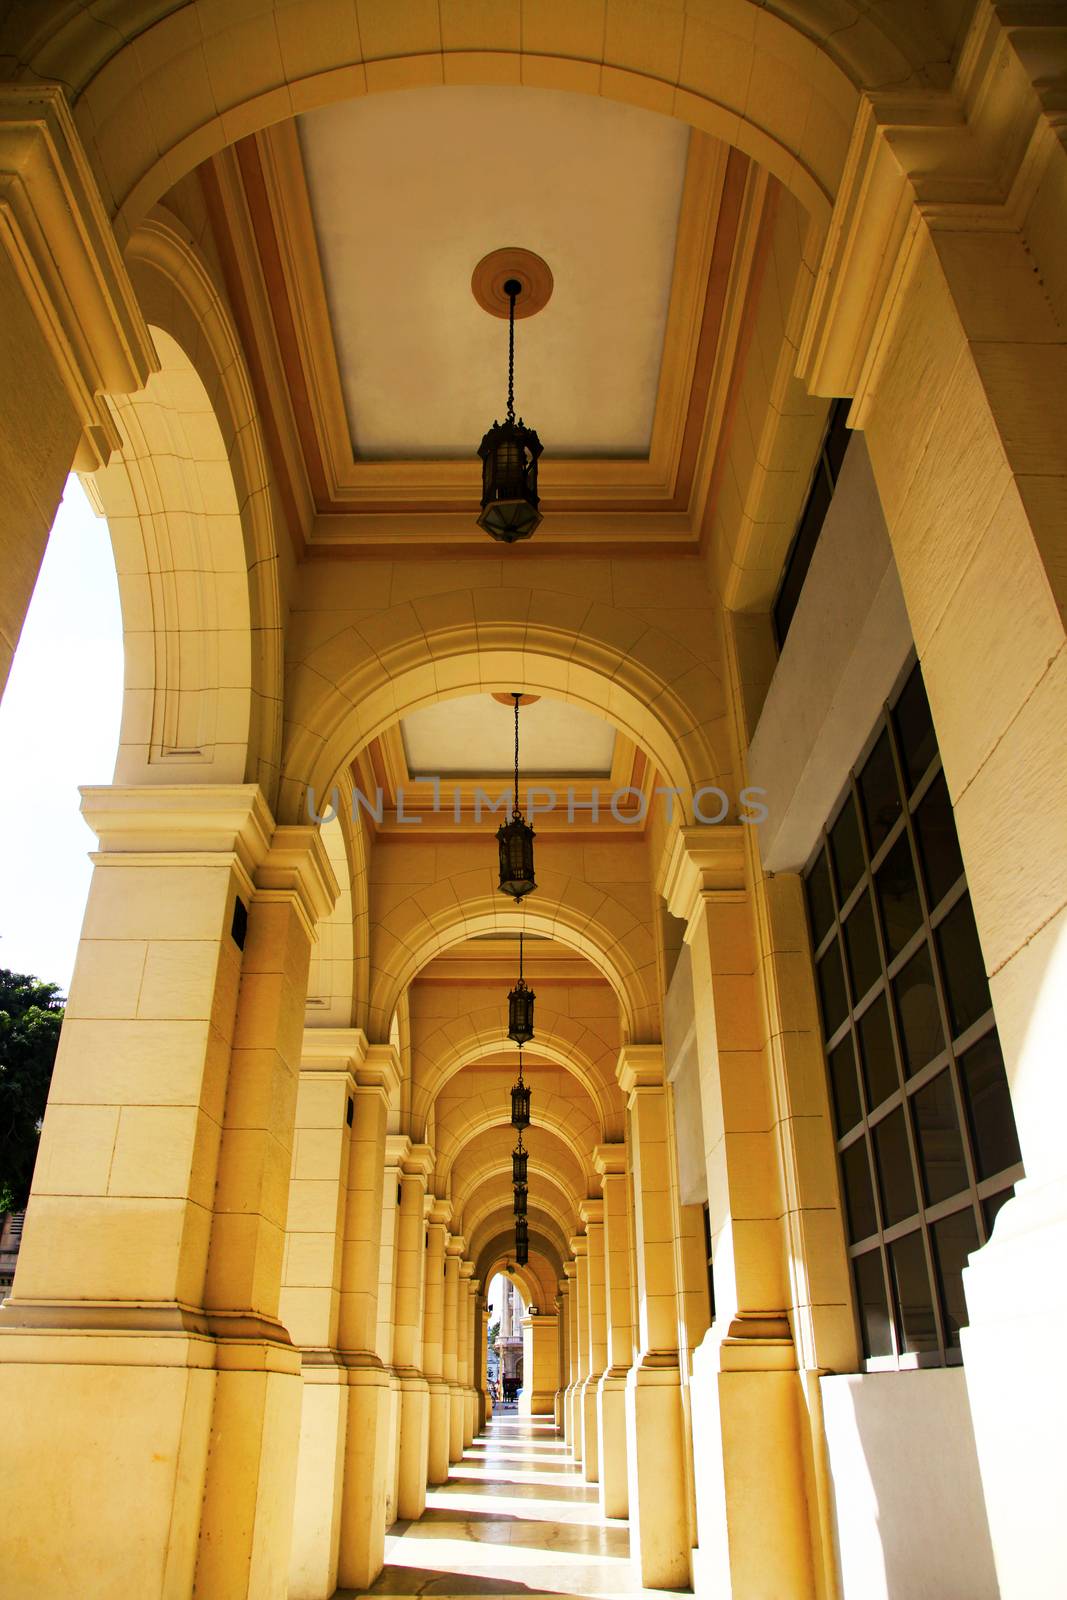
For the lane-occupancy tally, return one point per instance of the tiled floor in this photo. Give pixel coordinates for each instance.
(515, 1517)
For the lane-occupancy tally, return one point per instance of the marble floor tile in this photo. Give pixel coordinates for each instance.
(515, 1517)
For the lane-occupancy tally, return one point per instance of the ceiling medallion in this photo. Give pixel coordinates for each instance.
(530, 272)
(509, 452)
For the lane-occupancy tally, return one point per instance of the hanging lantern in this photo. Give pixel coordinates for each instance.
(520, 1100)
(522, 1241)
(519, 1160)
(521, 1008)
(521, 1194)
(515, 838)
(509, 452)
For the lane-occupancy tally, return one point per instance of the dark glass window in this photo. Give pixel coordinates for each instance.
(939, 849)
(847, 851)
(873, 1309)
(989, 1109)
(823, 482)
(898, 898)
(927, 1127)
(861, 943)
(879, 1056)
(845, 1087)
(879, 793)
(955, 1237)
(896, 1179)
(940, 1140)
(966, 986)
(918, 1012)
(915, 728)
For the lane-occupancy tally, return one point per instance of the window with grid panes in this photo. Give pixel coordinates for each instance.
(925, 1131)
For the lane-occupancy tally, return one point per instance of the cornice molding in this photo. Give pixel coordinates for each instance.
(174, 822)
(333, 1050)
(297, 867)
(640, 1066)
(702, 861)
(960, 160)
(59, 239)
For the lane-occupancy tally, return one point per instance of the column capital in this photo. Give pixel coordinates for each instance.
(61, 245)
(439, 1214)
(591, 1212)
(333, 1050)
(570, 1270)
(455, 1245)
(702, 861)
(170, 822)
(466, 1271)
(418, 1162)
(296, 867)
(640, 1066)
(610, 1160)
(397, 1149)
(579, 1247)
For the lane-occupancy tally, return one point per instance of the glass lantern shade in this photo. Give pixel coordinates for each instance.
(520, 1105)
(521, 1194)
(510, 502)
(519, 1161)
(515, 839)
(522, 1252)
(522, 1232)
(521, 1013)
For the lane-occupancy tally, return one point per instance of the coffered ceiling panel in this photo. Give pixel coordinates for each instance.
(410, 190)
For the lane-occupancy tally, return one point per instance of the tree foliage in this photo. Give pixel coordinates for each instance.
(31, 1015)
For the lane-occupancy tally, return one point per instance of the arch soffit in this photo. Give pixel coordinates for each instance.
(264, 68)
(453, 1137)
(603, 1094)
(500, 1247)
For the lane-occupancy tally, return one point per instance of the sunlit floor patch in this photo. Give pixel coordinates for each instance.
(515, 1517)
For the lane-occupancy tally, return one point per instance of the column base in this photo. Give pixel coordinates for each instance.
(1016, 1298)
(590, 1425)
(85, 1412)
(319, 1477)
(574, 1420)
(659, 1515)
(747, 1401)
(440, 1423)
(414, 1445)
(611, 1443)
(361, 1551)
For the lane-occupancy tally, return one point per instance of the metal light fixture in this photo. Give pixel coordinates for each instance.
(509, 455)
(521, 1008)
(519, 1160)
(521, 1194)
(515, 838)
(520, 1100)
(522, 1241)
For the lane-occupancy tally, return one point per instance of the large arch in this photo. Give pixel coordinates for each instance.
(484, 1103)
(437, 916)
(458, 1043)
(188, 504)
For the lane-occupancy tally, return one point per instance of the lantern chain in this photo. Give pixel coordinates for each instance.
(511, 355)
(515, 810)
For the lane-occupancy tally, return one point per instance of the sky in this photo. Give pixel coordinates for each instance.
(59, 728)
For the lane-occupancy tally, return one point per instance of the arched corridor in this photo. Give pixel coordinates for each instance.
(662, 911)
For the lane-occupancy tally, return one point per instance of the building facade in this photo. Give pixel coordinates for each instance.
(790, 647)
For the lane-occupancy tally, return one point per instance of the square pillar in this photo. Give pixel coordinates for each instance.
(407, 1340)
(540, 1365)
(433, 1342)
(610, 1162)
(655, 1436)
(453, 1252)
(592, 1214)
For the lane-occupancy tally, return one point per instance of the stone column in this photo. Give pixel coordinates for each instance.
(610, 1162)
(580, 1247)
(485, 1402)
(367, 1464)
(73, 332)
(540, 1365)
(592, 1214)
(143, 1325)
(407, 1338)
(563, 1290)
(433, 1341)
(468, 1312)
(397, 1147)
(453, 1252)
(573, 1433)
(655, 1438)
